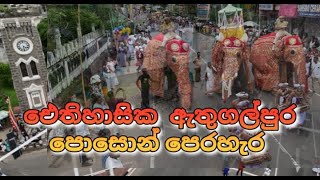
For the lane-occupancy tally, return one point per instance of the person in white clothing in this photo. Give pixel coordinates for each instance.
(209, 77)
(146, 38)
(109, 160)
(267, 172)
(130, 43)
(315, 74)
(109, 74)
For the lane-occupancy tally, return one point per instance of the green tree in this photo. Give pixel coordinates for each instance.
(191, 10)
(6, 77)
(43, 32)
(65, 17)
(3, 9)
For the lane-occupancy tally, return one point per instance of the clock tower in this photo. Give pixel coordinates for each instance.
(27, 61)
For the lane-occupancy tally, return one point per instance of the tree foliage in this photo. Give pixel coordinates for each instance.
(4, 9)
(191, 10)
(43, 32)
(65, 17)
(6, 78)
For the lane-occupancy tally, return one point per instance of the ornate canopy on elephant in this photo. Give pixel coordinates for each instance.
(176, 57)
(231, 23)
(286, 64)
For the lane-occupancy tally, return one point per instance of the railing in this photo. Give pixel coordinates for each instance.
(64, 64)
(23, 145)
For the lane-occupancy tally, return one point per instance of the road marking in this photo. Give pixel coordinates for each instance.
(309, 129)
(314, 136)
(278, 157)
(285, 151)
(245, 172)
(298, 155)
(131, 171)
(314, 93)
(152, 159)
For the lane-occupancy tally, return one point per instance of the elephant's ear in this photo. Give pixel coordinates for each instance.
(217, 56)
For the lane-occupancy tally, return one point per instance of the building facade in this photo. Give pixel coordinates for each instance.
(26, 60)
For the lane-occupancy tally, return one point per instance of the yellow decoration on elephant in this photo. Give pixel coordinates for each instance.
(236, 32)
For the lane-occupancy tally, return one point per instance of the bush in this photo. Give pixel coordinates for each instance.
(6, 77)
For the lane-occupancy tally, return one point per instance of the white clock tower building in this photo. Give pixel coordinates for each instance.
(27, 61)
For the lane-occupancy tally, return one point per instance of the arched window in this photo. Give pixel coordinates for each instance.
(24, 70)
(34, 68)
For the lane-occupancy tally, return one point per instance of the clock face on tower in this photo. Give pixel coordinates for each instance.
(23, 45)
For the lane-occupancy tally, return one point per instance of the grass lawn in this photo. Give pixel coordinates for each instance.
(7, 91)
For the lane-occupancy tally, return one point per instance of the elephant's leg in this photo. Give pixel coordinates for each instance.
(217, 83)
(184, 84)
(157, 85)
(300, 74)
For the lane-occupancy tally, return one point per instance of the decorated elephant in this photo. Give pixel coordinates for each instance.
(231, 57)
(176, 57)
(284, 64)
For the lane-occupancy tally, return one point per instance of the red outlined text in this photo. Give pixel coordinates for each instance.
(71, 114)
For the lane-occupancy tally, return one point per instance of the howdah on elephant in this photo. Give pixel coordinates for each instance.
(230, 57)
(284, 64)
(175, 55)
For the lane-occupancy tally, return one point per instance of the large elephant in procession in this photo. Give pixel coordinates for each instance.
(230, 57)
(175, 55)
(284, 64)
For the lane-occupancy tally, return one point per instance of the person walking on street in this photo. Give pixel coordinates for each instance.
(143, 83)
(109, 74)
(140, 57)
(267, 171)
(226, 171)
(197, 67)
(109, 160)
(315, 74)
(83, 130)
(112, 101)
(209, 77)
(240, 168)
(122, 55)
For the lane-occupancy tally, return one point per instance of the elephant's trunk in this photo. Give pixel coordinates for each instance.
(227, 87)
(230, 73)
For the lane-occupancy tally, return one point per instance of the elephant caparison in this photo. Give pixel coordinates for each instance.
(175, 55)
(230, 57)
(271, 67)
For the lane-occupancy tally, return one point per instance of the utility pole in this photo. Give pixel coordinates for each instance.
(73, 156)
(80, 54)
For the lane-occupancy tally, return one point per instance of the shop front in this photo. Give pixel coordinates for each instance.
(290, 12)
(309, 14)
(267, 14)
